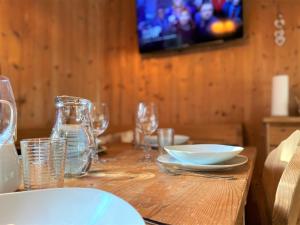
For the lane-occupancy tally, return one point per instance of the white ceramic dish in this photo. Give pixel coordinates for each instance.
(178, 140)
(76, 206)
(203, 154)
(168, 160)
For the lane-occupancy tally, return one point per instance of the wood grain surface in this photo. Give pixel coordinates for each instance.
(278, 187)
(177, 200)
(272, 173)
(89, 48)
(287, 205)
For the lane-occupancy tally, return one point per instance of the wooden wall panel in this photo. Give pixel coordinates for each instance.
(89, 48)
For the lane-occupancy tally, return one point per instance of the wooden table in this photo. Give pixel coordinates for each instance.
(181, 199)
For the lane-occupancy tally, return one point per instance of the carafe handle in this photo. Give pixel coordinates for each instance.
(7, 134)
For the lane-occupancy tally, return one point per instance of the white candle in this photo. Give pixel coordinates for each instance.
(280, 95)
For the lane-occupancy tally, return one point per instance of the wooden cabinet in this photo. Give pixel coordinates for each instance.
(278, 129)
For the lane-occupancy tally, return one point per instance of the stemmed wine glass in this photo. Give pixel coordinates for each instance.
(146, 123)
(100, 120)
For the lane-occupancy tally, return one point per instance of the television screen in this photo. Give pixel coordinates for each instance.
(172, 24)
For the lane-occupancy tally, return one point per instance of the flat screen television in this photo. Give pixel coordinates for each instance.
(176, 24)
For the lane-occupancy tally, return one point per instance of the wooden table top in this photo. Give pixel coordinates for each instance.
(181, 199)
(282, 119)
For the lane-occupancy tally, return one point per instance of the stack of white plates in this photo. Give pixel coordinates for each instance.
(178, 140)
(203, 157)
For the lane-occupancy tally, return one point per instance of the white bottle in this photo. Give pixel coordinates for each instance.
(9, 168)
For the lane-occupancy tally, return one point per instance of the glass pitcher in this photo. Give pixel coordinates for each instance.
(73, 122)
(9, 161)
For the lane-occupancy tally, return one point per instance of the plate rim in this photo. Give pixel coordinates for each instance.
(234, 149)
(137, 214)
(203, 166)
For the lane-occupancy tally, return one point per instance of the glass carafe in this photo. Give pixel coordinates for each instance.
(9, 162)
(73, 122)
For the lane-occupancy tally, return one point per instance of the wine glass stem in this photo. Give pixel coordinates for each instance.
(95, 156)
(147, 150)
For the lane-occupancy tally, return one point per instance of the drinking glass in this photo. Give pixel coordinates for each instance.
(43, 162)
(8, 112)
(165, 137)
(100, 120)
(9, 162)
(146, 123)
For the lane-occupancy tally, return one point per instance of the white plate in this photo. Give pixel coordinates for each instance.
(76, 206)
(203, 153)
(178, 140)
(168, 160)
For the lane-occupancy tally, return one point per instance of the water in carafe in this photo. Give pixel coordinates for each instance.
(78, 154)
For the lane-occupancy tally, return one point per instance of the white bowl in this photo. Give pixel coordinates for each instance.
(76, 206)
(178, 139)
(203, 154)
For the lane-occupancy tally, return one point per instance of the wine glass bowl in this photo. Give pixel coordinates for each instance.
(147, 127)
(100, 118)
(100, 121)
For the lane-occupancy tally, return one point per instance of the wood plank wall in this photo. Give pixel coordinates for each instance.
(89, 48)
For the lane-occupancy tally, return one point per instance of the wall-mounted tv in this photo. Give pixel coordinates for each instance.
(176, 24)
